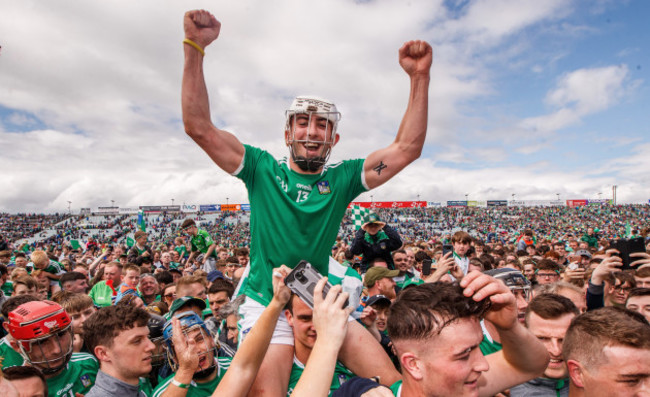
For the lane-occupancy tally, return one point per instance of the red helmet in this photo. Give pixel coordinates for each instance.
(32, 324)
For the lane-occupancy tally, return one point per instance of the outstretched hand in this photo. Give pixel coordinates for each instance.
(201, 27)
(330, 317)
(416, 57)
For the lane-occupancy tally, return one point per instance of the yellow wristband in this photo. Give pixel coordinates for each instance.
(193, 44)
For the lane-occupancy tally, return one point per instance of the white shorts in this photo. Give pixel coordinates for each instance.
(250, 311)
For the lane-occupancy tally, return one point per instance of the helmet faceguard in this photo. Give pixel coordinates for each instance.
(513, 279)
(44, 335)
(190, 322)
(315, 110)
(156, 324)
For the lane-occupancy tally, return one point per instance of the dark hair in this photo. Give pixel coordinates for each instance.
(461, 237)
(220, 285)
(639, 292)
(424, 310)
(106, 323)
(622, 277)
(187, 223)
(551, 307)
(71, 276)
(21, 372)
(164, 277)
(548, 264)
(421, 255)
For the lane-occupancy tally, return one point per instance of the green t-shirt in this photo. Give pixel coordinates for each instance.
(341, 374)
(182, 250)
(7, 288)
(10, 357)
(144, 385)
(101, 294)
(198, 389)
(202, 242)
(293, 216)
(54, 267)
(78, 377)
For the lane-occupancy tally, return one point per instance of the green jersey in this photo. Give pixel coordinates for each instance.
(7, 288)
(396, 388)
(341, 374)
(198, 389)
(10, 357)
(293, 216)
(202, 242)
(78, 377)
(101, 294)
(54, 267)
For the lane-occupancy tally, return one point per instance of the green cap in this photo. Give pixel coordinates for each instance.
(186, 300)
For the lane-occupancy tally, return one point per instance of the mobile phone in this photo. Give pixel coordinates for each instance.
(447, 248)
(302, 281)
(626, 247)
(426, 267)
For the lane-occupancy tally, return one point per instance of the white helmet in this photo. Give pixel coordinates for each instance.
(314, 107)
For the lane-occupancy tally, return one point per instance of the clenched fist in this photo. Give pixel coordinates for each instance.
(201, 27)
(415, 57)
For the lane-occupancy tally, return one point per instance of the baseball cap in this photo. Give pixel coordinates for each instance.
(371, 217)
(186, 300)
(214, 275)
(381, 300)
(583, 253)
(376, 273)
(412, 282)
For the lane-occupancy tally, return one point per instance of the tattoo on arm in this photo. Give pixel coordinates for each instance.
(380, 167)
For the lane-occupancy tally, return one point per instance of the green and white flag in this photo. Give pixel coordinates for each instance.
(358, 215)
(130, 242)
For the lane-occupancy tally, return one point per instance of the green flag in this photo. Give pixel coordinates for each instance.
(130, 242)
(358, 215)
(75, 244)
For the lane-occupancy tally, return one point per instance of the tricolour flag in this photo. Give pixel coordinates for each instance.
(141, 225)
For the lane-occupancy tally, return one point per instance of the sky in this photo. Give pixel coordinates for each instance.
(527, 98)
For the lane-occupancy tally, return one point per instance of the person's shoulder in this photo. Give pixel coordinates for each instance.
(84, 359)
(163, 385)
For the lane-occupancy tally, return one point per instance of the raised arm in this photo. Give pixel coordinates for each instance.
(523, 356)
(201, 29)
(415, 57)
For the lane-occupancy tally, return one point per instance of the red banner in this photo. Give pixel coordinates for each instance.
(576, 203)
(390, 204)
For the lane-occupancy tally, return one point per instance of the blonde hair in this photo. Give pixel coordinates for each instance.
(40, 258)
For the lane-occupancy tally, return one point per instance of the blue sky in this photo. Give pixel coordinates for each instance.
(527, 97)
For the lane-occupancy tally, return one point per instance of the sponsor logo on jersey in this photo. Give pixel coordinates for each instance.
(324, 187)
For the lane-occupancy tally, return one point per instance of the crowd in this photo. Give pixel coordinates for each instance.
(420, 302)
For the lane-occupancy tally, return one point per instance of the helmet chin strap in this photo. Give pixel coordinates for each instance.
(308, 164)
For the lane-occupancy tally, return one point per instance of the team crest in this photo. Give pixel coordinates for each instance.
(324, 187)
(85, 380)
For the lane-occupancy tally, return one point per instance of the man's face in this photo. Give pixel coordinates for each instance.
(130, 354)
(149, 286)
(243, 260)
(387, 287)
(165, 258)
(639, 304)
(618, 292)
(78, 286)
(461, 248)
(231, 327)
(22, 289)
(204, 345)
(578, 299)
(78, 318)
(217, 300)
(317, 131)
(642, 282)
(223, 255)
(176, 257)
(623, 371)
(304, 332)
(30, 387)
(551, 333)
(529, 271)
(113, 273)
(573, 245)
(81, 270)
(401, 261)
(452, 362)
(51, 352)
(196, 290)
(521, 298)
(545, 276)
(21, 262)
(560, 249)
(230, 268)
(141, 241)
